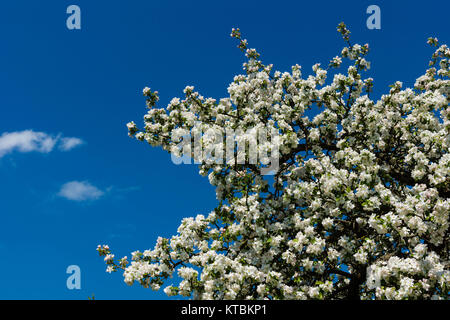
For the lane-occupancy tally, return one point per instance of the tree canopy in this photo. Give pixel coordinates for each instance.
(357, 206)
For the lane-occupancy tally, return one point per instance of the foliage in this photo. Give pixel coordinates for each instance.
(358, 209)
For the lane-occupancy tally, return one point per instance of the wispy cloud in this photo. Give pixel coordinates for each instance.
(80, 191)
(32, 141)
(67, 144)
(26, 141)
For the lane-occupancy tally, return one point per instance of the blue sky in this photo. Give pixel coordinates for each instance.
(60, 198)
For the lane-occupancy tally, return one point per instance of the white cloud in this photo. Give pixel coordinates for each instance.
(26, 141)
(80, 191)
(29, 141)
(67, 144)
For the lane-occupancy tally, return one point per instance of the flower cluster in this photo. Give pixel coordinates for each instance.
(358, 207)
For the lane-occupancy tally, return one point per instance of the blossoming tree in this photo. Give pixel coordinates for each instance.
(357, 209)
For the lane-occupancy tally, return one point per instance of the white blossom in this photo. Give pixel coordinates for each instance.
(358, 208)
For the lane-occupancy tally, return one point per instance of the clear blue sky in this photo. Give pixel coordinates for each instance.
(88, 84)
